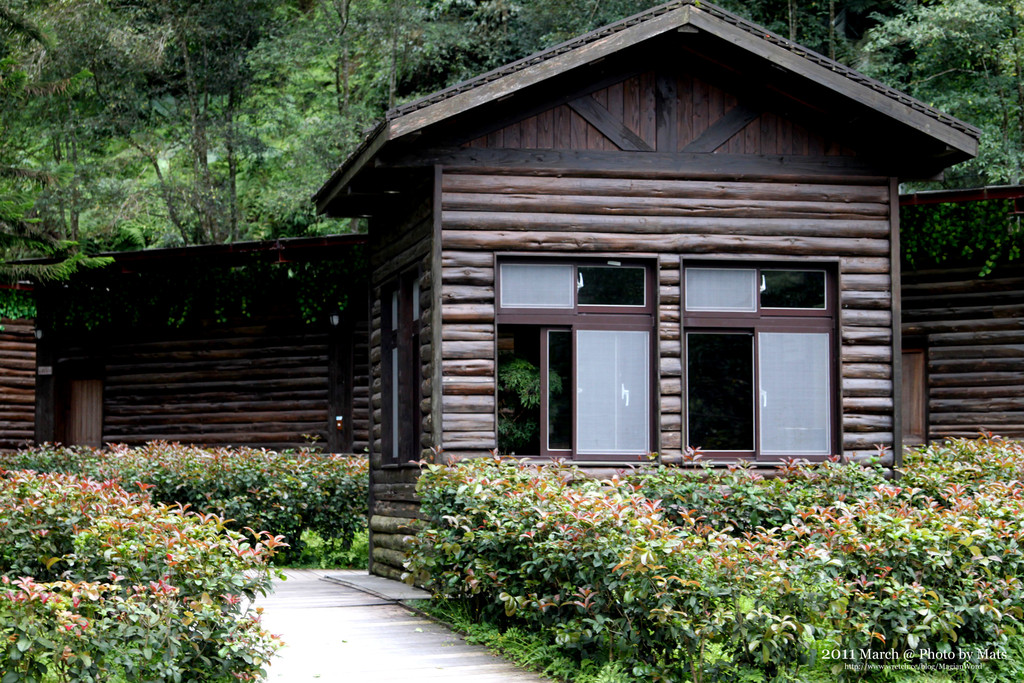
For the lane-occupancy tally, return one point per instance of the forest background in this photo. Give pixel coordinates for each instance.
(130, 124)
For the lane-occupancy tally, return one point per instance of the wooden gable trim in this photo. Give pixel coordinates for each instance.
(352, 166)
(836, 82)
(615, 130)
(694, 16)
(542, 71)
(649, 165)
(723, 130)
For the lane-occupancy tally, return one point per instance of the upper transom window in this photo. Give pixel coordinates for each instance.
(561, 287)
(747, 290)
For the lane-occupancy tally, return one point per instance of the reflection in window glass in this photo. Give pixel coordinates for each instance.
(720, 391)
(610, 286)
(559, 381)
(720, 289)
(793, 289)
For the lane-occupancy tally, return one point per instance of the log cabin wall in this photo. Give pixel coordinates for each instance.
(400, 245)
(17, 383)
(260, 383)
(971, 332)
(665, 220)
(667, 215)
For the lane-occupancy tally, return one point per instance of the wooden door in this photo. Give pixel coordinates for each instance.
(915, 396)
(85, 412)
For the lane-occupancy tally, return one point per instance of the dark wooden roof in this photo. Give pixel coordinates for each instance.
(957, 140)
(279, 250)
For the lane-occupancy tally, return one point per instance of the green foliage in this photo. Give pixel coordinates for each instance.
(316, 553)
(286, 493)
(196, 294)
(981, 234)
(111, 583)
(726, 575)
(17, 304)
(519, 397)
(526, 648)
(964, 57)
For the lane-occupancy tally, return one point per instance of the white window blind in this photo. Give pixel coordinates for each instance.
(794, 393)
(612, 375)
(529, 285)
(721, 289)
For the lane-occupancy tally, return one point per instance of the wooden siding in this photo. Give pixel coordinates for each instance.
(398, 246)
(972, 330)
(665, 219)
(361, 386)
(17, 383)
(241, 385)
(261, 382)
(668, 113)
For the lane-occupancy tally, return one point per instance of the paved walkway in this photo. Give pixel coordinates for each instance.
(338, 633)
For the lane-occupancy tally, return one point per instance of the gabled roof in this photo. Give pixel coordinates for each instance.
(959, 138)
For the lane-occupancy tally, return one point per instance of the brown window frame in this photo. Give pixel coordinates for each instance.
(755, 322)
(580, 318)
(400, 418)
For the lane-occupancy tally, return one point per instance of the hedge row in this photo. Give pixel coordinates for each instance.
(100, 584)
(713, 575)
(283, 492)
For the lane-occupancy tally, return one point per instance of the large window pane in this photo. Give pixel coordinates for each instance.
(721, 289)
(559, 388)
(794, 399)
(720, 391)
(610, 286)
(528, 285)
(612, 391)
(793, 289)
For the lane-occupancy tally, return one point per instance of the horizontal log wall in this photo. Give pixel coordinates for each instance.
(242, 384)
(17, 383)
(973, 332)
(399, 245)
(361, 386)
(483, 214)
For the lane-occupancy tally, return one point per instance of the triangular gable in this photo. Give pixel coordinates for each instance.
(941, 139)
(622, 117)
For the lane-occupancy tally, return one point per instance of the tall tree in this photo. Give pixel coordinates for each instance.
(965, 57)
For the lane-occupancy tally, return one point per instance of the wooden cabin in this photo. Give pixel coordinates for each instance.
(17, 383)
(963, 359)
(184, 362)
(686, 228)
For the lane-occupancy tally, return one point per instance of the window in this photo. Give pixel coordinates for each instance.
(574, 358)
(400, 369)
(759, 369)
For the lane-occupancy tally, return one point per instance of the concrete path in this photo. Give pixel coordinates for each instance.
(337, 633)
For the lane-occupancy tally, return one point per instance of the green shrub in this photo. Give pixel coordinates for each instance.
(964, 464)
(711, 574)
(283, 492)
(109, 582)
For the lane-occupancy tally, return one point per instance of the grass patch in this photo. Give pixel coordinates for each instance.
(318, 553)
(527, 649)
